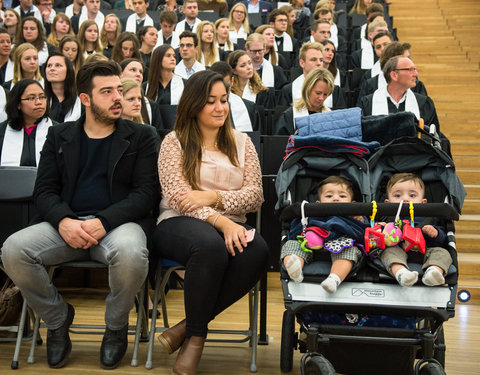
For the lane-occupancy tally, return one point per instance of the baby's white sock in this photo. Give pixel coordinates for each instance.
(406, 277)
(294, 268)
(331, 283)
(433, 277)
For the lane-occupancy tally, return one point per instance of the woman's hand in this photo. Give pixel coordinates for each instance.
(193, 199)
(233, 233)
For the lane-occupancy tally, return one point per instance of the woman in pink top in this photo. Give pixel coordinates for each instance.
(210, 177)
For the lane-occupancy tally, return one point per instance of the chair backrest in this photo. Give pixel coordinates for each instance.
(208, 16)
(16, 199)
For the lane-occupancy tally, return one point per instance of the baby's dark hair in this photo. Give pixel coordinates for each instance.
(337, 180)
(402, 177)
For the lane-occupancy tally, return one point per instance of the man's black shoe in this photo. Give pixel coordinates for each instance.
(114, 346)
(59, 345)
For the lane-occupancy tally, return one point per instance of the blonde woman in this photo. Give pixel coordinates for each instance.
(222, 32)
(110, 32)
(247, 83)
(25, 65)
(318, 86)
(88, 38)
(271, 55)
(70, 48)
(11, 21)
(238, 21)
(61, 26)
(132, 100)
(207, 52)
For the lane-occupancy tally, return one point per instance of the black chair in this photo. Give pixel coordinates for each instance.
(208, 16)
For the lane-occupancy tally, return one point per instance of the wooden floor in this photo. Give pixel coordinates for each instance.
(462, 338)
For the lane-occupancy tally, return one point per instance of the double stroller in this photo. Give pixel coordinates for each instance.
(371, 325)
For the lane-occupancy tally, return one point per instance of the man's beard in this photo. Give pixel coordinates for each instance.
(102, 115)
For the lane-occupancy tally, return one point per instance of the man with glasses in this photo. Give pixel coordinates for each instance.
(271, 75)
(48, 13)
(188, 49)
(278, 19)
(190, 23)
(257, 6)
(401, 76)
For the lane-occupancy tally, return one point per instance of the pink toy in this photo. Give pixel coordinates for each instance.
(315, 237)
(393, 234)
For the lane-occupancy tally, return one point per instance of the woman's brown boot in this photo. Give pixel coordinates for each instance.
(189, 356)
(173, 338)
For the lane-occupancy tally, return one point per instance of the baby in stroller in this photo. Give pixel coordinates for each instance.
(344, 253)
(409, 187)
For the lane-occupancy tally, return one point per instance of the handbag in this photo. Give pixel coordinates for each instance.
(11, 302)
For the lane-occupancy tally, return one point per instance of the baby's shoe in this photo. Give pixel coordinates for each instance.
(405, 277)
(433, 277)
(331, 283)
(294, 268)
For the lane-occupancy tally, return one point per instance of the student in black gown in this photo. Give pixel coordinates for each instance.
(23, 134)
(61, 90)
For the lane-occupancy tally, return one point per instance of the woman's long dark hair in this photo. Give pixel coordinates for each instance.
(14, 115)
(126, 36)
(69, 87)
(194, 98)
(332, 67)
(155, 71)
(41, 39)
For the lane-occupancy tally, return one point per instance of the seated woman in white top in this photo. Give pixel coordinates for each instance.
(317, 87)
(239, 24)
(207, 52)
(222, 35)
(25, 65)
(163, 86)
(31, 31)
(88, 37)
(23, 134)
(61, 90)
(247, 83)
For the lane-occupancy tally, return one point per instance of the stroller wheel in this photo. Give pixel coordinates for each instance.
(288, 341)
(432, 369)
(319, 365)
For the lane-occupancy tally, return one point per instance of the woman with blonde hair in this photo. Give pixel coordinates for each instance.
(88, 38)
(11, 21)
(238, 21)
(61, 26)
(271, 55)
(247, 83)
(70, 47)
(25, 65)
(132, 100)
(222, 32)
(359, 7)
(316, 88)
(111, 30)
(207, 52)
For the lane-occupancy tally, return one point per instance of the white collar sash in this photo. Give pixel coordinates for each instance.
(297, 87)
(240, 116)
(268, 76)
(13, 143)
(367, 56)
(132, 22)
(380, 104)
(248, 94)
(376, 70)
(176, 89)
(75, 112)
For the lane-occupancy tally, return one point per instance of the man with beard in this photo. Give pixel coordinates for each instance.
(95, 188)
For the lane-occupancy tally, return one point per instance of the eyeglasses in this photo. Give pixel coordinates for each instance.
(239, 11)
(255, 51)
(410, 70)
(33, 99)
(188, 45)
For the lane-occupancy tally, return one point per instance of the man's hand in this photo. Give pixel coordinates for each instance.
(94, 228)
(74, 235)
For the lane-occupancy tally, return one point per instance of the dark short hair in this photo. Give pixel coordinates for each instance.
(222, 68)
(91, 70)
(14, 116)
(189, 34)
(381, 34)
(275, 13)
(3, 30)
(142, 31)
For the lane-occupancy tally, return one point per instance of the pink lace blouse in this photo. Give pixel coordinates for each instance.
(240, 187)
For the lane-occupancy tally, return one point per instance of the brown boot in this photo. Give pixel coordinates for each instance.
(173, 338)
(189, 356)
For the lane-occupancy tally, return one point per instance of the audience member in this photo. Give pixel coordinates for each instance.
(166, 35)
(70, 47)
(401, 74)
(140, 18)
(88, 38)
(148, 38)
(246, 81)
(221, 265)
(111, 30)
(105, 208)
(74, 8)
(48, 13)
(270, 53)
(25, 65)
(330, 63)
(31, 31)
(271, 75)
(365, 57)
(191, 21)
(126, 47)
(11, 21)
(257, 6)
(239, 25)
(27, 9)
(317, 87)
(90, 11)
(60, 88)
(222, 35)
(284, 42)
(188, 52)
(23, 133)
(207, 52)
(132, 100)
(61, 26)
(163, 86)
(6, 65)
